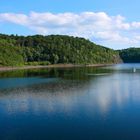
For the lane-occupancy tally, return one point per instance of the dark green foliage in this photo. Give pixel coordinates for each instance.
(130, 55)
(37, 63)
(55, 49)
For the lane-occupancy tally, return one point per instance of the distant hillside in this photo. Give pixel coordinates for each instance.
(130, 55)
(53, 49)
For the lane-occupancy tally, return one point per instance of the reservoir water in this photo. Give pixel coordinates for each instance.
(71, 103)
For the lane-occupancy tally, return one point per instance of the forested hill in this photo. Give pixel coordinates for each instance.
(52, 49)
(130, 55)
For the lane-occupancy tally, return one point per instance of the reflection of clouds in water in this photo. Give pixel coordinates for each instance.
(99, 94)
(113, 90)
(17, 104)
(117, 90)
(42, 98)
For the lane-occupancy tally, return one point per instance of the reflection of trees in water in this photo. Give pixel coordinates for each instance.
(68, 73)
(23, 73)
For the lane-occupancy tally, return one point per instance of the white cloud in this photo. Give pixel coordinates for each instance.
(14, 18)
(98, 27)
(136, 25)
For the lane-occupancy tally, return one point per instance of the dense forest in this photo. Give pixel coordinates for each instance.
(53, 49)
(130, 55)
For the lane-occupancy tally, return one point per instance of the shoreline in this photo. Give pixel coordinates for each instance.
(10, 68)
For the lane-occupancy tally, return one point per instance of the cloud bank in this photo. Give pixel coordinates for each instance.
(112, 31)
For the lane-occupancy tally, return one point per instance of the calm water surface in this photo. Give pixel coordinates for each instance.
(71, 104)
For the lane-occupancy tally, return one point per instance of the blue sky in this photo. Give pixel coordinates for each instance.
(110, 23)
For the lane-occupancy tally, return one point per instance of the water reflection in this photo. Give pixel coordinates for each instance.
(43, 97)
(91, 98)
(96, 93)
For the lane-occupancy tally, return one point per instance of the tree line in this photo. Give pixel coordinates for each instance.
(53, 49)
(130, 55)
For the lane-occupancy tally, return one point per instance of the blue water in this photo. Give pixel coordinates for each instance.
(71, 104)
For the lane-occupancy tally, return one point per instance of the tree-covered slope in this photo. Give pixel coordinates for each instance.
(130, 55)
(9, 54)
(55, 49)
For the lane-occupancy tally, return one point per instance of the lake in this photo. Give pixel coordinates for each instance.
(71, 103)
